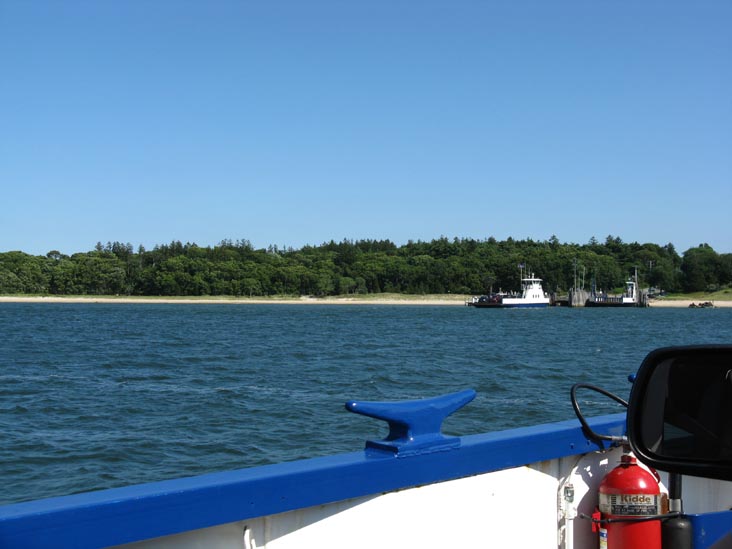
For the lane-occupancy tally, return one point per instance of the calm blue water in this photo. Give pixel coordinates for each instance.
(94, 396)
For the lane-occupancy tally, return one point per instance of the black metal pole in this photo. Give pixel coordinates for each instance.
(676, 532)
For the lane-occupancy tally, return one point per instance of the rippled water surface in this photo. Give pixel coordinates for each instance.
(95, 395)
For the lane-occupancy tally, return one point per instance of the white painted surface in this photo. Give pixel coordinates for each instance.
(702, 495)
(520, 507)
(484, 511)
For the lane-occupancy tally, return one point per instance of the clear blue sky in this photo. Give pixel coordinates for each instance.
(293, 123)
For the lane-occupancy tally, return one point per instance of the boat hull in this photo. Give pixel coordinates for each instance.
(334, 501)
(591, 303)
(249, 502)
(509, 305)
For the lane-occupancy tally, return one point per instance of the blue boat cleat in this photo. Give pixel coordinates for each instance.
(414, 425)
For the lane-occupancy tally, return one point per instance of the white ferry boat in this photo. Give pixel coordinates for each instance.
(546, 486)
(532, 295)
(629, 298)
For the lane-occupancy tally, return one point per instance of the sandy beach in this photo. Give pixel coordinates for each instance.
(446, 300)
(686, 302)
(304, 300)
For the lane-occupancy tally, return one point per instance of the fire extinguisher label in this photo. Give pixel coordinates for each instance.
(634, 505)
(603, 538)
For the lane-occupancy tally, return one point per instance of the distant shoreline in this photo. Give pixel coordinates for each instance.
(304, 300)
(446, 300)
(687, 302)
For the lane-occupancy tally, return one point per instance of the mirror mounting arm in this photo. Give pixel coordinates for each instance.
(589, 433)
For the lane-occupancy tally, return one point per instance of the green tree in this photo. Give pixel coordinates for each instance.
(700, 267)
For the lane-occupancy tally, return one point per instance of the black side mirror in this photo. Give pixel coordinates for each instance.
(680, 411)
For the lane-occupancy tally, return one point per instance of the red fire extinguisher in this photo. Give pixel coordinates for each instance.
(630, 496)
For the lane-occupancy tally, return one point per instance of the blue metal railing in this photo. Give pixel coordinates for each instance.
(135, 513)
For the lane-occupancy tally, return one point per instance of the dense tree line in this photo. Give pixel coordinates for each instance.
(461, 266)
